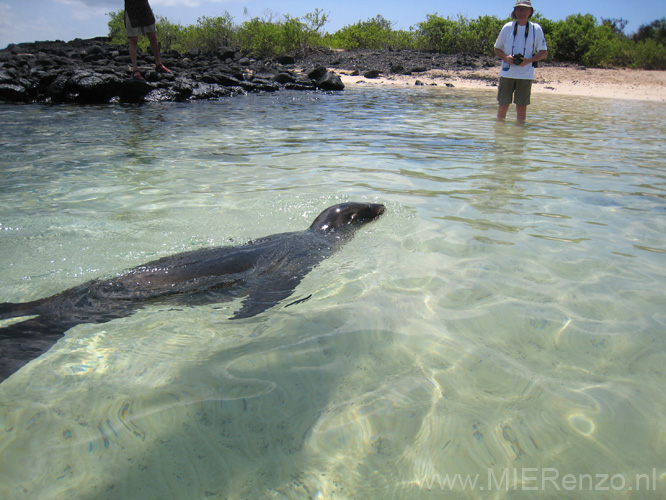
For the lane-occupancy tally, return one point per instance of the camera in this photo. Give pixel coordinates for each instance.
(518, 59)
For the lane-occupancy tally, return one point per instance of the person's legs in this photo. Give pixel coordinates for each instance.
(502, 110)
(504, 96)
(133, 39)
(155, 48)
(522, 99)
(133, 52)
(521, 113)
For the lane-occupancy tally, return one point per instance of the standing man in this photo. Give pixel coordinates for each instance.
(139, 19)
(519, 44)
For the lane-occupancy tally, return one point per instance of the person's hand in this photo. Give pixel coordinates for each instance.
(524, 62)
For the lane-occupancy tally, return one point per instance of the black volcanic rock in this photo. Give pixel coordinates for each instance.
(330, 81)
(12, 93)
(284, 78)
(93, 88)
(94, 71)
(317, 72)
(360, 61)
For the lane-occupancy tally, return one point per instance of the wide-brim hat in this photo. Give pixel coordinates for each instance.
(523, 3)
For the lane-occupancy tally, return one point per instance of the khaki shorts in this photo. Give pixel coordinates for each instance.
(132, 32)
(520, 90)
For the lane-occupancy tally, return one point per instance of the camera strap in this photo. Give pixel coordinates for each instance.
(515, 32)
(515, 29)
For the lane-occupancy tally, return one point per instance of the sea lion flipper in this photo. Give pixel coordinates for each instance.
(268, 293)
(22, 342)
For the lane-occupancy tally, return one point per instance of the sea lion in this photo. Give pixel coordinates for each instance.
(264, 271)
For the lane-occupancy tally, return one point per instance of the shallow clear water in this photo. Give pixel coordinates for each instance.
(504, 320)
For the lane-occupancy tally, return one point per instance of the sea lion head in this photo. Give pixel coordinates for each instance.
(346, 216)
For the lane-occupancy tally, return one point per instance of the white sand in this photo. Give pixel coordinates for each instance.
(608, 83)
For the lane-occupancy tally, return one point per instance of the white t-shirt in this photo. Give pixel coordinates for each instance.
(519, 44)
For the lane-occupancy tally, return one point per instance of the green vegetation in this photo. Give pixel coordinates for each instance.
(450, 36)
(580, 38)
(375, 33)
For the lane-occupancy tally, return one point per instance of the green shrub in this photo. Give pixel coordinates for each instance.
(574, 37)
(579, 39)
(313, 22)
(436, 34)
(116, 25)
(208, 35)
(649, 54)
(259, 38)
(485, 30)
(295, 36)
(168, 34)
(654, 31)
(602, 48)
(267, 38)
(450, 36)
(375, 33)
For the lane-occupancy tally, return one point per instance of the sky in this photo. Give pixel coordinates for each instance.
(31, 20)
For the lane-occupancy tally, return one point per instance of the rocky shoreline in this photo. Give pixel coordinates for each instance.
(94, 72)
(375, 63)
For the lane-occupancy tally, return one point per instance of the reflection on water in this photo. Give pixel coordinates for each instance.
(503, 321)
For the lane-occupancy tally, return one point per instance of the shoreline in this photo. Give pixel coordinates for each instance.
(93, 71)
(628, 84)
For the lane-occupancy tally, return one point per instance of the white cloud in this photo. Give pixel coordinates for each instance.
(15, 30)
(88, 10)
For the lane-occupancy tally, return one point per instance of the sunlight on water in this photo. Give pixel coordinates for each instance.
(502, 324)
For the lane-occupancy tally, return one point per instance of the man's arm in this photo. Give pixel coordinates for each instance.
(502, 55)
(542, 54)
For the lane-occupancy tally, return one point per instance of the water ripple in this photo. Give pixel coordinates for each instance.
(506, 312)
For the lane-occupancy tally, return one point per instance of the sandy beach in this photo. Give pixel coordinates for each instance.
(568, 80)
